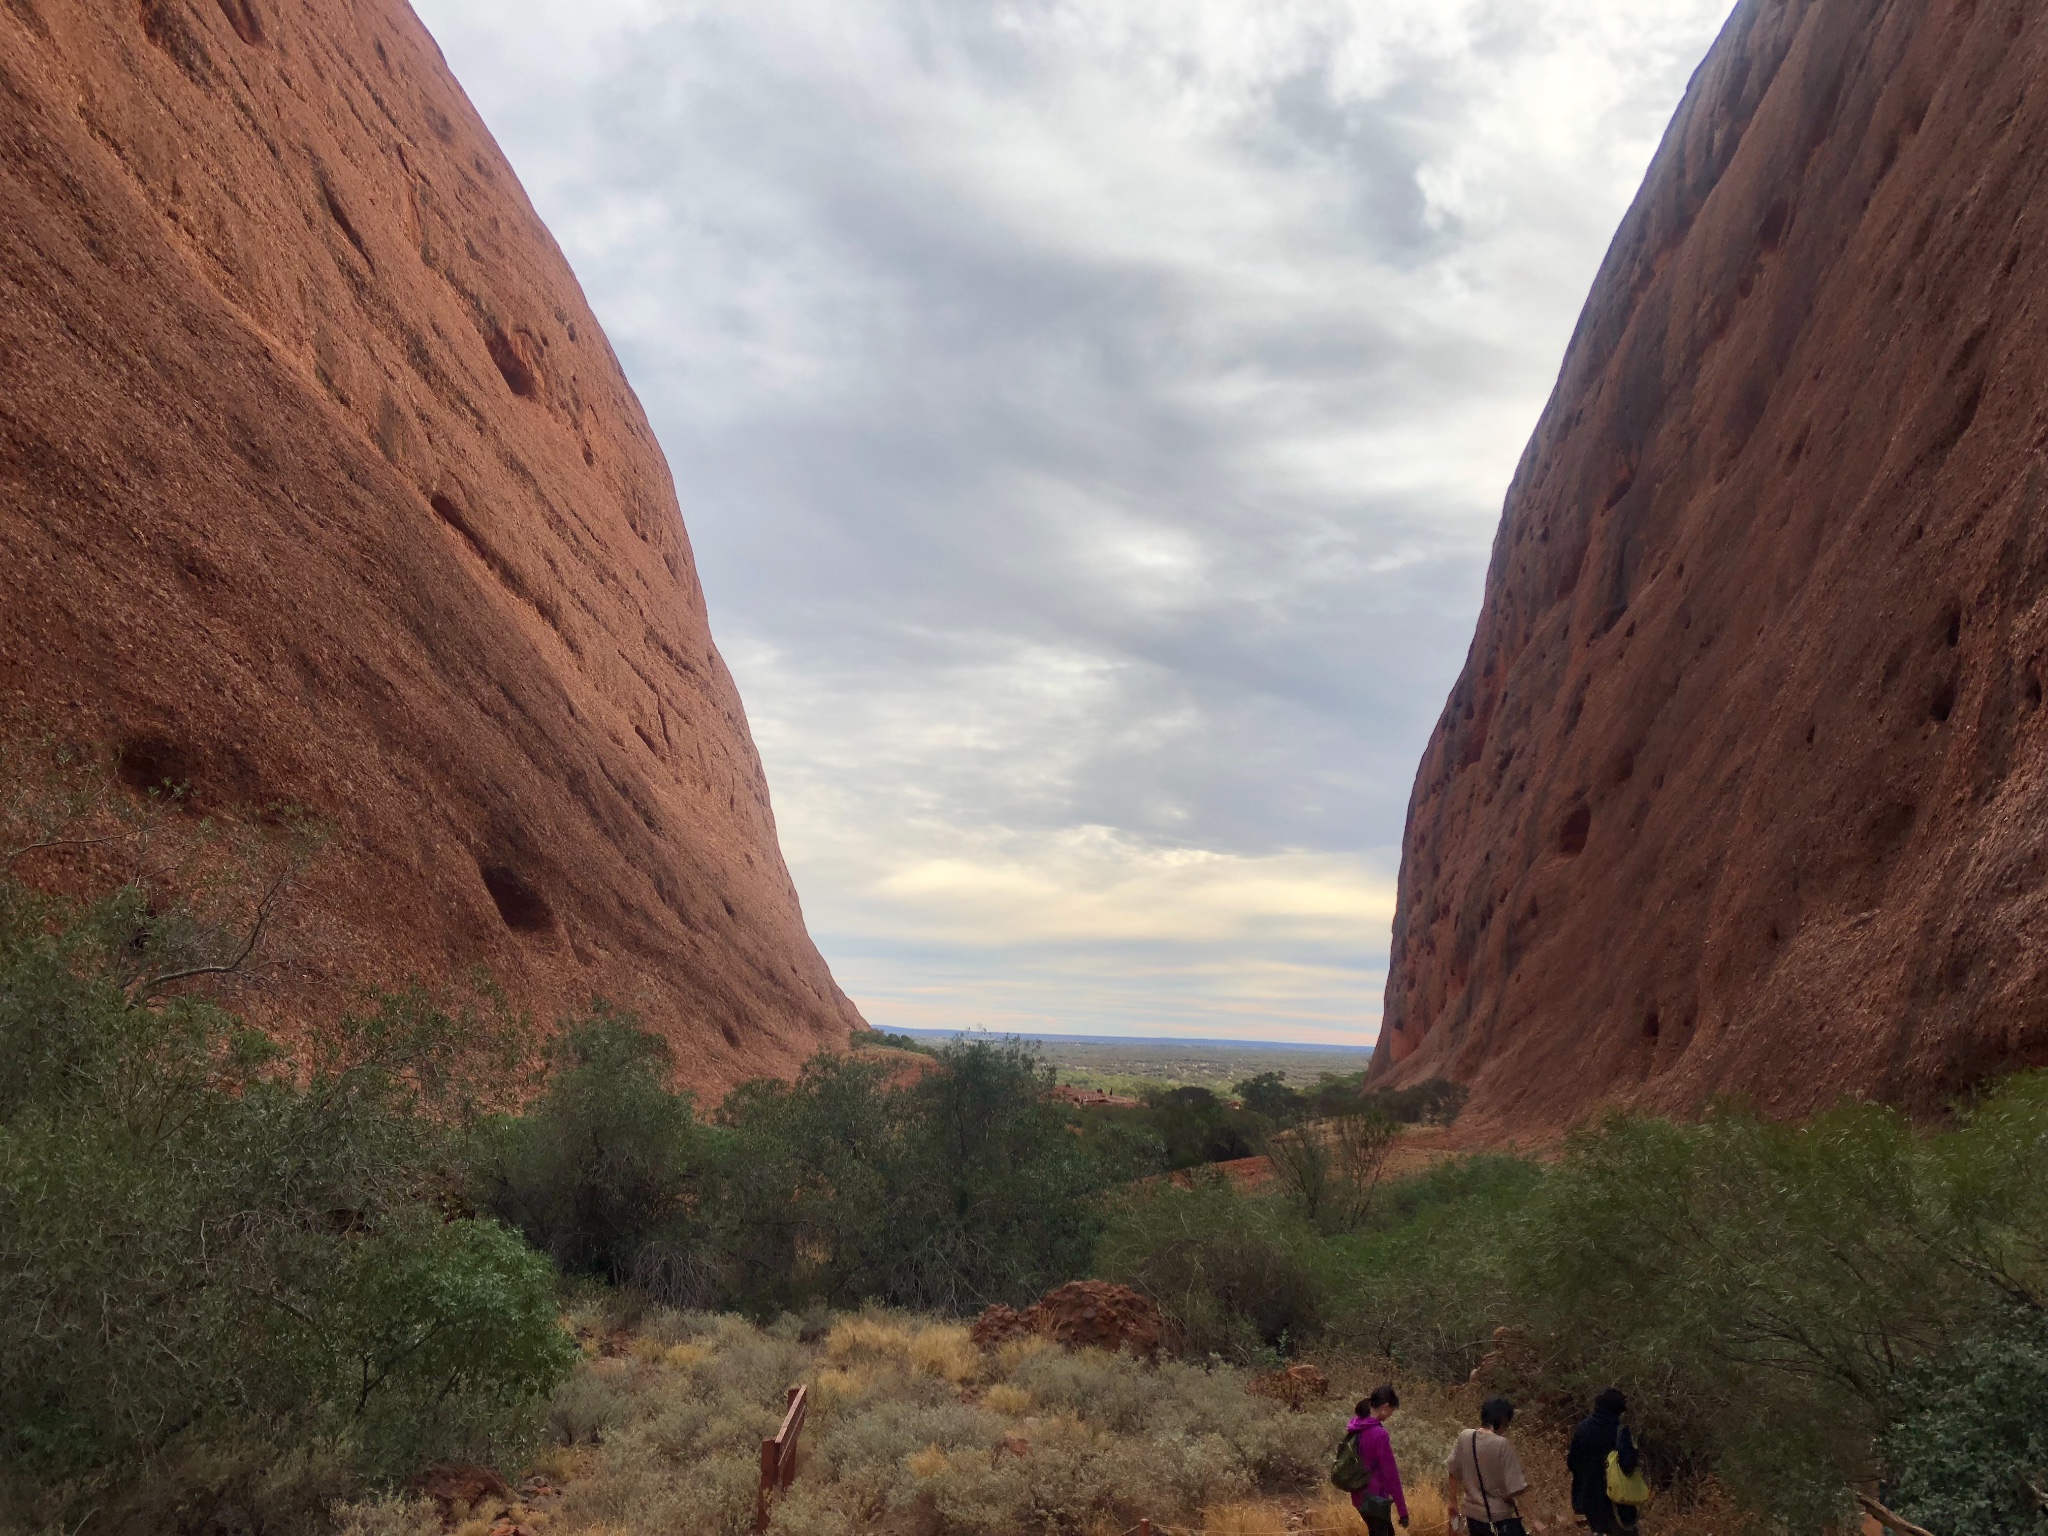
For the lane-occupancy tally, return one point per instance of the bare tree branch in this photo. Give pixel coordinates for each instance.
(147, 986)
(1885, 1517)
(58, 842)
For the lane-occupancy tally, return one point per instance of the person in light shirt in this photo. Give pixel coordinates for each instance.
(1486, 1482)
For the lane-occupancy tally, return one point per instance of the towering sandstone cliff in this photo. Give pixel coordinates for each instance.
(319, 484)
(1744, 788)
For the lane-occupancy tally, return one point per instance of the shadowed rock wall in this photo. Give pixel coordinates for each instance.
(1742, 789)
(319, 483)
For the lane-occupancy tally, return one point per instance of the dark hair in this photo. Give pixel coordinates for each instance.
(1496, 1413)
(1382, 1396)
(1611, 1400)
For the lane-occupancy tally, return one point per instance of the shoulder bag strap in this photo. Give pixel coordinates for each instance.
(1485, 1499)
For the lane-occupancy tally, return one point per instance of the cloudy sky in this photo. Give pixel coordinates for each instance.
(1091, 417)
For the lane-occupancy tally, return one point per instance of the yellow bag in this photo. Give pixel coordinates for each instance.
(1625, 1487)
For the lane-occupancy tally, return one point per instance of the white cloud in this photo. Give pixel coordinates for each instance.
(1091, 416)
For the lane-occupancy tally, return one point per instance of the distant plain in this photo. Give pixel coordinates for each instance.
(1100, 1062)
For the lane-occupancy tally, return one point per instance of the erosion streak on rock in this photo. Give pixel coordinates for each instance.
(1741, 790)
(321, 484)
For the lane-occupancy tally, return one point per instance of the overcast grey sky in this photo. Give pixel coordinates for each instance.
(1091, 417)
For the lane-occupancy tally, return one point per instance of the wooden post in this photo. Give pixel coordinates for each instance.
(778, 1455)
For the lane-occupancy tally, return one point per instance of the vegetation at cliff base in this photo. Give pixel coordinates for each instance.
(964, 1187)
(223, 1272)
(1796, 1310)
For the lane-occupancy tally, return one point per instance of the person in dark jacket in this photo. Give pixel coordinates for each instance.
(1598, 1433)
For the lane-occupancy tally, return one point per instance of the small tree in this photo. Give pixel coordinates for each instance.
(1331, 1169)
(1269, 1097)
(608, 1157)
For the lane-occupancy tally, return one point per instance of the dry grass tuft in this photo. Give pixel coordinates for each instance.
(1247, 1520)
(867, 1336)
(390, 1515)
(834, 1384)
(944, 1350)
(1006, 1399)
(1014, 1352)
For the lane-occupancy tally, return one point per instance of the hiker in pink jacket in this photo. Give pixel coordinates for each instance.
(1381, 1497)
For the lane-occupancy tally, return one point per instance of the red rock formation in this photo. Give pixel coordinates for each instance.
(320, 484)
(1082, 1314)
(1742, 789)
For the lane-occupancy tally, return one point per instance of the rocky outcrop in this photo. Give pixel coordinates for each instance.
(319, 484)
(1742, 788)
(1082, 1314)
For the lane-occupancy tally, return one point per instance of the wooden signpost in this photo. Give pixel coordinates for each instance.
(778, 1456)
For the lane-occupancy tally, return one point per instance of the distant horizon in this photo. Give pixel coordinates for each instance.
(1051, 1037)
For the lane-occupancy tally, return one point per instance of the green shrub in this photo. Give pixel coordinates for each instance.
(1332, 1169)
(605, 1160)
(1196, 1127)
(963, 1189)
(213, 1253)
(1268, 1096)
(1970, 1452)
(1238, 1275)
(1425, 1279)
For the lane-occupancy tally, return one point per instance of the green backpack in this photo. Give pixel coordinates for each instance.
(1347, 1471)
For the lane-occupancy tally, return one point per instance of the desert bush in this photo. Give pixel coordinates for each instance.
(1270, 1098)
(1332, 1168)
(842, 1187)
(386, 1515)
(215, 1263)
(899, 1436)
(1237, 1274)
(1196, 1127)
(1971, 1447)
(1437, 1101)
(963, 1189)
(1424, 1282)
(606, 1159)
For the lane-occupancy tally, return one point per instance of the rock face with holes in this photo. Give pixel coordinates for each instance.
(1743, 789)
(319, 484)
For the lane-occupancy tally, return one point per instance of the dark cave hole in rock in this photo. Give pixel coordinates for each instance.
(524, 909)
(247, 21)
(1771, 233)
(339, 214)
(154, 764)
(1889, 825)
(1943, 704)
(1651, 1025)
(732, 1036)
(518, 376)
(1578, 824)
